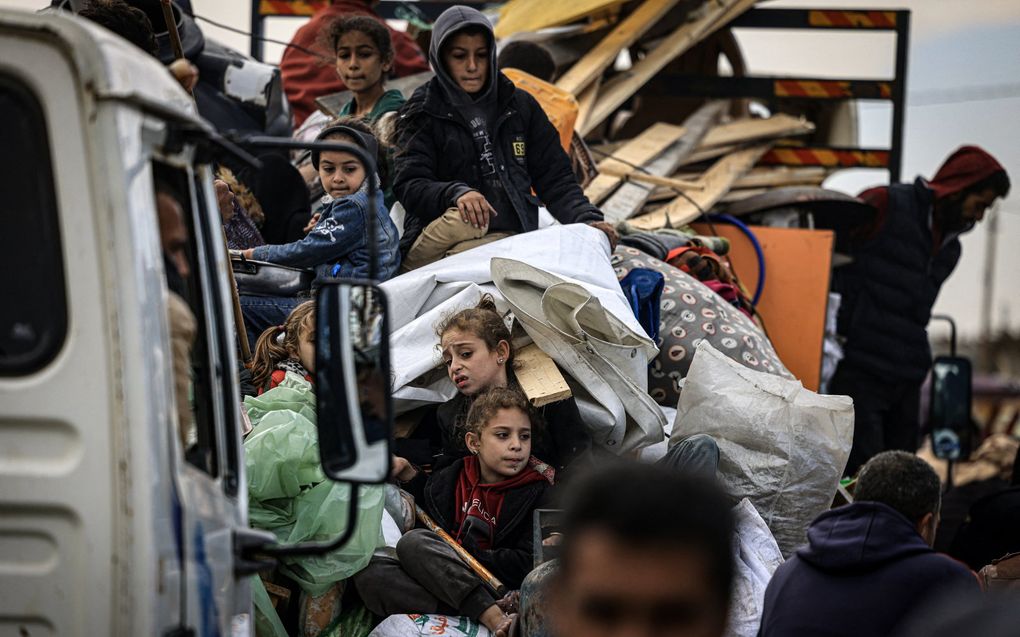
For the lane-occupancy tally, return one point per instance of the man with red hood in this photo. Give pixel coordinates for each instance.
(307, 76)
(890, 287)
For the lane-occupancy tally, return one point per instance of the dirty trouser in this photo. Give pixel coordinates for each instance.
(886, 414)
(425, 577)
(697, 455)
(447, 235)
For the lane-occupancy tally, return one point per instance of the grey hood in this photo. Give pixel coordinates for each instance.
(448, 23)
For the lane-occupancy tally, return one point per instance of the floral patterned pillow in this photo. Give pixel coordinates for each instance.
(690, 312)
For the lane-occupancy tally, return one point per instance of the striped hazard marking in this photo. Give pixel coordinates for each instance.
(827, 157)
(820, 89)
(291, 7)
(853, 19)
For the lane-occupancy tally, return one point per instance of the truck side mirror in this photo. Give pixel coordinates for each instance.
(950, 407)
(352, 376)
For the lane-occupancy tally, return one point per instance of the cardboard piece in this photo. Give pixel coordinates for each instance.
(539, 378)
(793, 304)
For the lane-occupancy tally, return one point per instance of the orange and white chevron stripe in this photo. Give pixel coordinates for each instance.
(853, 19)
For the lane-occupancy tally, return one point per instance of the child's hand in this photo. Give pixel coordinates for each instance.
(312, 222)
(402, 471)
(224, 199)
(610, 232)
(247, 253)
(475, 209)
(185, 72)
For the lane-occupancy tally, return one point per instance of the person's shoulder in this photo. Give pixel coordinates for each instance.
(391, 100)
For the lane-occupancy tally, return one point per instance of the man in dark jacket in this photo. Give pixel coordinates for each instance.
(870, 563)
(472, 146)
(890, 287)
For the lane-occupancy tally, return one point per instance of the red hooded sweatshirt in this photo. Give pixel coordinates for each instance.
(484, 501)
(306, 77)
(968, 165)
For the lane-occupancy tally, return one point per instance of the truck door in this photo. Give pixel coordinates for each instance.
(213, 501)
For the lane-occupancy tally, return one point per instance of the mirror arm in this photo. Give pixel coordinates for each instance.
(320, 548)
(952, 330)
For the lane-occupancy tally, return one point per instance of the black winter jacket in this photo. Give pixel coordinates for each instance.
(512, 555)
(890, 288)
(436, 161)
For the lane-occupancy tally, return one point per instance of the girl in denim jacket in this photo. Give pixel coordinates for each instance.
(337, 244)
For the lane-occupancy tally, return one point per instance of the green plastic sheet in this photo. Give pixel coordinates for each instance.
(289, 495)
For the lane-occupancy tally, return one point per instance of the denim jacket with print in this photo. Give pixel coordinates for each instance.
(340, 238)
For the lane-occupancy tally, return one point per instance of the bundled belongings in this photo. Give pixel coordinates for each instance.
(782, 446)
(692, 312)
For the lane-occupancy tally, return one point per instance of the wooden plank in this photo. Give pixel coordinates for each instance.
(539, 377)
(740, 194)
(717, 180)
(621, 88)
(630, 198)
(517, 16)
(637, 152)
(771, 176)
(780, 176)
(704, 154)
(630, 174)
(585, 102)
(590, 67)
(742, 131)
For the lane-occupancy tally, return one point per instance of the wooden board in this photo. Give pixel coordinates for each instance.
(630, 198)
(717, 182)
(781, 176)
(590, 67)
(585, 102)
(517, 16)
(631, 174)
(622, 87)
(637, 152)
(742, 131)
(796, 295)
(772, 176)
(539, 377)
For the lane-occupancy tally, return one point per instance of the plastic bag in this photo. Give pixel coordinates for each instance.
(781, 446)
(289, 495)
(430, 625)
(756, 557)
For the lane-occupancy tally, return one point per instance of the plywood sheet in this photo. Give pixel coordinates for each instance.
(539, 377)
(717, 181)
(517, 16)
(637, 152)
(622, 87)
(590, 67)
(797, 269)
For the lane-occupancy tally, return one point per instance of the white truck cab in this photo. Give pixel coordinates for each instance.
(107, 525)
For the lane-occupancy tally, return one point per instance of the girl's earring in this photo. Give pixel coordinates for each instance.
(499, 361)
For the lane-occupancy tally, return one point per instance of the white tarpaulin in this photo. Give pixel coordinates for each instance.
(420, 300)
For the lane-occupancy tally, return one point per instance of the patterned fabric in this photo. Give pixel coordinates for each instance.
(241, 231)
(690, 312)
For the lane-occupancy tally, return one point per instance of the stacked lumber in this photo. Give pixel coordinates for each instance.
(672, 172)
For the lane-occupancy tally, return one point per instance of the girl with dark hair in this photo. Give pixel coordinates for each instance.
(364, 58)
